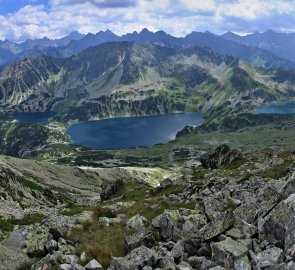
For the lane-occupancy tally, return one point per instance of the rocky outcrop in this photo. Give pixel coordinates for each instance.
(222, 155)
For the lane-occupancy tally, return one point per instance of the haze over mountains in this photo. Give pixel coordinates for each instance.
(268, 49)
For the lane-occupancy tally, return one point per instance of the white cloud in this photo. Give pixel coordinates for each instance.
(177, 17)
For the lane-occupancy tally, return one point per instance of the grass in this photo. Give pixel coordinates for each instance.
(100, 242)
(31, 185)
(8, 225)
(278, 171)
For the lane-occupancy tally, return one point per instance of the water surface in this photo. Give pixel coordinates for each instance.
(277, 108)
(33, 117)
(131, 131)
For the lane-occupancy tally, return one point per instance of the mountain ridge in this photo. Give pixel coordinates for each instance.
(221, 44)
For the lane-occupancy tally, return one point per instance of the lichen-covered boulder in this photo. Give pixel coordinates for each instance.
(270, 257)
(137, 222)
(217, 226)
(37, 241)
(274, 226)
(172, 221)
(226, 252)
(142, 238)
(136, 259)
(290, 234)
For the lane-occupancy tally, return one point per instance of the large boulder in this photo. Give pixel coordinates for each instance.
(270, 257)
(36, 243)
(217, 226)
(274, 226)
(172, 223)
(228, 251)
(138, 239)
(136, 259)
(137, 222)
(290, 234)
(221, 156)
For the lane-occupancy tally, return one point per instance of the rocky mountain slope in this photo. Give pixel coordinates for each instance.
(123, 78)
(237, 216)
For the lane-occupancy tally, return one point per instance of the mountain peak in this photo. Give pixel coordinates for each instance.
(145, 31)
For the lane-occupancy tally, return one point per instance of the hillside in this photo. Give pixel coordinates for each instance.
(52, 215)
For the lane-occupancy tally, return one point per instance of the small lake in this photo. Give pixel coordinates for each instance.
(277, 108)
(33, 117)
(129, 132)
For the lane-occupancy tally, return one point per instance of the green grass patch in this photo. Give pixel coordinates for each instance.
(31, 185)
(278, 171)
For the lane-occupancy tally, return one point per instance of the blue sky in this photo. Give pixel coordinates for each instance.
(23, 19)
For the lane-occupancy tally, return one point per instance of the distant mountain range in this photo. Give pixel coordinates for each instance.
(269, 49)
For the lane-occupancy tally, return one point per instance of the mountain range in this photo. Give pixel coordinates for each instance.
(269, 49)
(130, 78)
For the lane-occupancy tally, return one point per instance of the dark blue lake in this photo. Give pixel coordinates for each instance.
(33, 117)
(131, 131)
(277, 108)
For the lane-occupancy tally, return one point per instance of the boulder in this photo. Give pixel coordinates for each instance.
(65, 266)
(290, 234)
(274, 226)
(36, 242)
(217, 226)
(221, 156)
(51, 246)
(270, 257)
(241, 265)
(137, 222)
(184, 266)
(136, 259)
(139, 239)
(172, 221)
(226, 252)
(93, 265)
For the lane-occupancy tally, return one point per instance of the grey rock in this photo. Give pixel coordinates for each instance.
(217, 226)
(138, 239)
(137, 222)
(51, 246)
(241, 265)
(270, 257)
(221, 156)
(138, 257)
(184, 266)
(226, 252)
(274, 226)
(93, 265)
(290, 234)
(65, 266)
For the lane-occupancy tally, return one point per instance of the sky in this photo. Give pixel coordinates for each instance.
(24, 19)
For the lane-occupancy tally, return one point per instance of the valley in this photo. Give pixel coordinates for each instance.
(147, 151)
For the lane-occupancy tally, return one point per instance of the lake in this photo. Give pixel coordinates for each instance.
(277, 108)
(33, 117)
(129, 132)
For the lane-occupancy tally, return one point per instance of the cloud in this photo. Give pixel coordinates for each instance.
(99, 3)
(56, 18)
